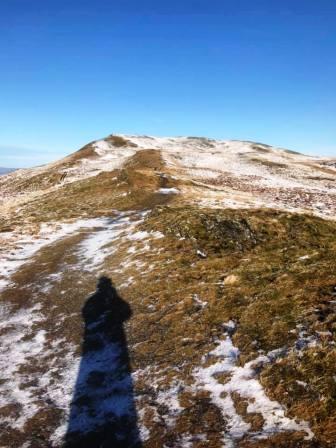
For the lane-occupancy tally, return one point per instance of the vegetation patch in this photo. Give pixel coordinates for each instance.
(269, 163)
(118, 141)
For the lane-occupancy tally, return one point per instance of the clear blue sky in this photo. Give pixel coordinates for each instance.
(73, 71)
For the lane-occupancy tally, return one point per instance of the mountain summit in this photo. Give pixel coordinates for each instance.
(203, 171)
(172, 292)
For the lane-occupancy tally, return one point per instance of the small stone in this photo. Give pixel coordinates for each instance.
(231, 280)
(201, 254)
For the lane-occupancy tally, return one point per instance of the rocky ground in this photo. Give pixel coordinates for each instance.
(224, 252)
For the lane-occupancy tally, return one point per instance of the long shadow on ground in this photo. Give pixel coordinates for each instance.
(102, 411)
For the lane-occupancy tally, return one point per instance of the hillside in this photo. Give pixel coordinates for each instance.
(222, 254)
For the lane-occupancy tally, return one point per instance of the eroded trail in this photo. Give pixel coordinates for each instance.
(45, 282)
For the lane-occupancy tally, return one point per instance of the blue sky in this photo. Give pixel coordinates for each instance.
(74, 71)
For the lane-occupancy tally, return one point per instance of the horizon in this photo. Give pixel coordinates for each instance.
(234, 70)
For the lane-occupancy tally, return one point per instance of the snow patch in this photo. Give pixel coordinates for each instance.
(17, 345)
(202, 304)
(169, 191)
(142, 235)
(27, 246)
(100, 243)
(242, 380)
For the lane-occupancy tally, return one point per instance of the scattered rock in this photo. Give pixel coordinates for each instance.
(231, 280)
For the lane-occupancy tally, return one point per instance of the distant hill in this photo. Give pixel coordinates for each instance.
(6, 170)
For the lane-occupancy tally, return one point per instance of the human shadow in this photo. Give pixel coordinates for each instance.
(103, 412)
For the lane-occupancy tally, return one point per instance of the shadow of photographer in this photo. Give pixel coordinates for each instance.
(103, 412)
